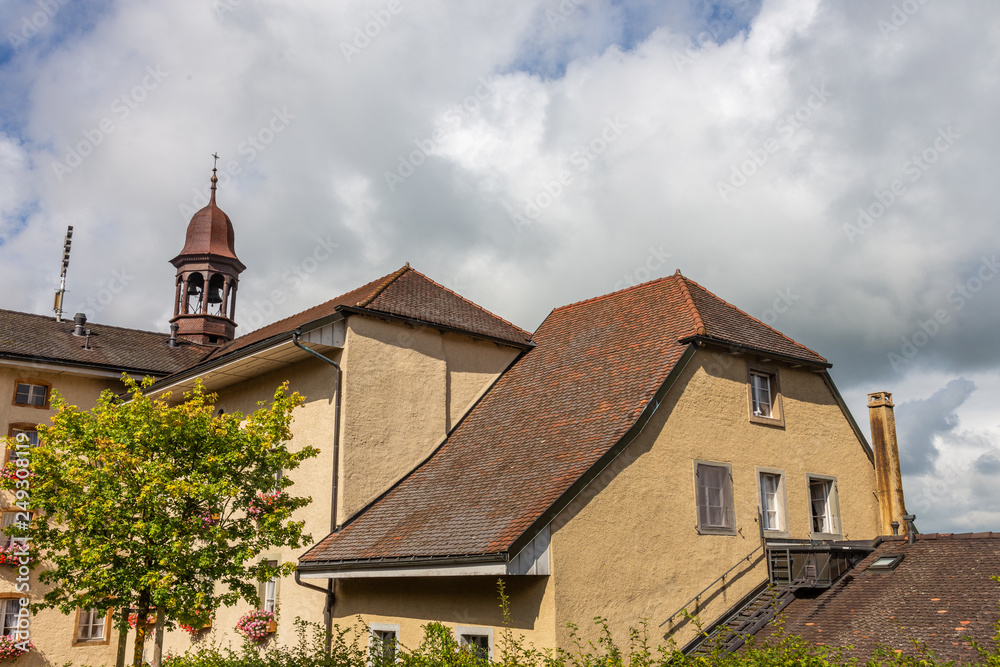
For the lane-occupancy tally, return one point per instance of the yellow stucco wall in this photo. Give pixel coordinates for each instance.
(51, 631)
(628, 548)
(404, 388)
(465, 601)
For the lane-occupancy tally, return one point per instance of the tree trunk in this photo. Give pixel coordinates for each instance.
(140, 628)
(158, 646)
(122, 640)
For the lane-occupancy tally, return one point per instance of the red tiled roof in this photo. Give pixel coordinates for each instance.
(403, 293)
(39, 338)
(941, 594)
(596, 366)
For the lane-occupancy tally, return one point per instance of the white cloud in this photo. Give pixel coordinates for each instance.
(691, 116)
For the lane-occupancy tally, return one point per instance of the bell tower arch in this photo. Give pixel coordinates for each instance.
(208, 273)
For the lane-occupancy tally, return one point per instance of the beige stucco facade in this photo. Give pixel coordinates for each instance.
(628, 548)
(51, 631)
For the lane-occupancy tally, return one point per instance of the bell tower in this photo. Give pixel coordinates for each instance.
(207, 275)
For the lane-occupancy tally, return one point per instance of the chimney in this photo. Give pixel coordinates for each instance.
(78, 321)
(888, 479)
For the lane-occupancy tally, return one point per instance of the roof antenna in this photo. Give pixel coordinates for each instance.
(58, 306)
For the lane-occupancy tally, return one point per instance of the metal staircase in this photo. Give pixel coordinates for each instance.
(730, 632)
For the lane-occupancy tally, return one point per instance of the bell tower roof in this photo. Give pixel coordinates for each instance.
(210, 234)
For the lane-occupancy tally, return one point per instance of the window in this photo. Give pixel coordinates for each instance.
(823, 506)
(765, 395)
(28, 432)
(91, 624)
(772, 501)
(10, 609)
(270, 596)
(714, 484)
(887, 562)
(477, 640)
(383, 639)
(16, 518)
(31, 392)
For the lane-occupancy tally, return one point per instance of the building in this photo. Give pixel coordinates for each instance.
(615, 462)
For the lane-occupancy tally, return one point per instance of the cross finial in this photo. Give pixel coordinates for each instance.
(216, 156)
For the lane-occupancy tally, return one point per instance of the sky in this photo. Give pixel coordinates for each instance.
(828, 167)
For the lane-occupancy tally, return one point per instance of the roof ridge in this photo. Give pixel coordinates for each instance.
(611, 294)
(381, 288)
(69, 322)
(764, 324)
(471, 303)
(699, 324)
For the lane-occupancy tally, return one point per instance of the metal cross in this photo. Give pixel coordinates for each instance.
(216, 156)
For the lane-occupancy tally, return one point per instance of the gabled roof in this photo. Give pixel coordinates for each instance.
(40, 339)
(940, 594)
(553, 416)
(403, 294)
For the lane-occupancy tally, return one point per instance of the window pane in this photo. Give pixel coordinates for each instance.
(37, 395)
(819, 493)
(23, 390)
(9, 609)
(714, 493)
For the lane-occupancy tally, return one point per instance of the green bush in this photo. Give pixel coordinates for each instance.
(439, 648)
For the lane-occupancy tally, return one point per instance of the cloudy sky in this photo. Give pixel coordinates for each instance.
(829, 167)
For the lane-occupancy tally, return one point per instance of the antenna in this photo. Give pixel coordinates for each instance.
(57, 307)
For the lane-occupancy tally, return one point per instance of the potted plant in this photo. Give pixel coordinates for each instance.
(11, 649)
(257, 624)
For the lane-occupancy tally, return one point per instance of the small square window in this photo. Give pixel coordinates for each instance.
(479, 641)
(764, 395)
(31, 394)
(91, 625)
(825, 519)
(714, 489)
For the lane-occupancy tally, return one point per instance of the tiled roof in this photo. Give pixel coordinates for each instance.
(39, 338)
(596, 366)
(727, 323)
(403, 293)
(941, 594)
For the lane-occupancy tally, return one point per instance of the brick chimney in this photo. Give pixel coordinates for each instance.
(888, 477)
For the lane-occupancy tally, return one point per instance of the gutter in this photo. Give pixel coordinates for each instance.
(329, 592)
(753, 350)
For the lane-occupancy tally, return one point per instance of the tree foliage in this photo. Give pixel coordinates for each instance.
(140, 503)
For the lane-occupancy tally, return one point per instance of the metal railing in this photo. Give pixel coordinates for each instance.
(717, 580)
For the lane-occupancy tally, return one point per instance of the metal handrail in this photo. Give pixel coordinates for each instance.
(717, 580)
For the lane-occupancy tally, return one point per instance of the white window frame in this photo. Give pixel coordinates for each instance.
(88, 618)
(8, 517)
(761, 379)
(728, 506)
(32, 394)
(269, 599)
(831, 509)
(7, 630)
(463, 632)
(376, 632)
(780, 500)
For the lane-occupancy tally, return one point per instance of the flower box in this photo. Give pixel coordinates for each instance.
(257, 625)
(272, 627)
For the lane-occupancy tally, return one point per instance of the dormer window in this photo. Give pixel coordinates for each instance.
(764, 395)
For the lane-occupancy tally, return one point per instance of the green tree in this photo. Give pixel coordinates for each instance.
(140, 504)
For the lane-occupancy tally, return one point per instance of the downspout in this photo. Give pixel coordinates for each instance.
(334, 527)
